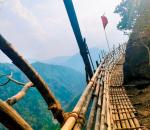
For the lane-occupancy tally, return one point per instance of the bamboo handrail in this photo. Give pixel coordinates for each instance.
(70, 122)
(35, 78)
(79, 124)
(103, 112)
(99, 107)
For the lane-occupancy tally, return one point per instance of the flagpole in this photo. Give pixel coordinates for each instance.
(105, 22)
(107, 40)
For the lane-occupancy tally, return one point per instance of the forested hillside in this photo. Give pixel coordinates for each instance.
(75, 62)
(64, 82)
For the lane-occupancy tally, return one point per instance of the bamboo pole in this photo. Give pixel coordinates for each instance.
(19, 95)
(93, 109)
(9, 77)
(35, 78)
(99, 106)
(11, 119)
(15, 81)
(81, 119)
(108, 104)
(103, 113)
(70, 122)
(8, 80)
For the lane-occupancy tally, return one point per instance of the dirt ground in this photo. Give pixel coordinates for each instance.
(140, 99)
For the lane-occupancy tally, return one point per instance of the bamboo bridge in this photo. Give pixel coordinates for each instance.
(104, 97)
(104, 104)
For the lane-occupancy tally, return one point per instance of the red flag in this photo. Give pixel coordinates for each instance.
(104, 21)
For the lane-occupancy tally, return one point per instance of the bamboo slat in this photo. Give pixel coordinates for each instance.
(122, 109)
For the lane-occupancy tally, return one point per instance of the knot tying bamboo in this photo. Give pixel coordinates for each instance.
(92, 81)
(81, 120)
(71, 114)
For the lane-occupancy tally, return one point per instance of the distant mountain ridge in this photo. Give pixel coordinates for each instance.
(75, 62)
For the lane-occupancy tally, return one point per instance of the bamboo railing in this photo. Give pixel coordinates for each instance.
(104, 97)
(109, 110)
(35, 79)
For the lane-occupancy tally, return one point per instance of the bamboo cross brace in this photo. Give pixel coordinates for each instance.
(19, 95)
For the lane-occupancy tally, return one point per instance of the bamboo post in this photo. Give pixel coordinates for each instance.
(35, 78)
(11, 119)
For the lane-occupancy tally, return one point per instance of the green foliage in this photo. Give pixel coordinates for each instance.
(137, 62)
(128, 10)
(64, 82)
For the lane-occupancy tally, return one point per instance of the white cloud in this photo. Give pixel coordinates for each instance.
(40, 29)
(23, 13)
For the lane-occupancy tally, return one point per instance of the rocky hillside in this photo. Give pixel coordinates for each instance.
(137, 65)
(136, 19)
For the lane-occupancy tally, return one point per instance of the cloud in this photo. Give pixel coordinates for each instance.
(40, 29)
(21, 12)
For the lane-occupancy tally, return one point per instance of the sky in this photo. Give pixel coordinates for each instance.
(40, 29)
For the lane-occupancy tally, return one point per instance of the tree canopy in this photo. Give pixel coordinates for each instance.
(129, 11)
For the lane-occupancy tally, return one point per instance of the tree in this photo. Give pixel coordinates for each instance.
(129, 11)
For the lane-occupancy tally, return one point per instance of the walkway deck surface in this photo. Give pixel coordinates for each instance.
(123, 113)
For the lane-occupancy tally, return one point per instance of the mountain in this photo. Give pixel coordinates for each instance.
(75, 62)
(57, 60)
(64, 82)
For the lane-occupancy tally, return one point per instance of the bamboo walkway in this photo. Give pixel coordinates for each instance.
(123, 113)
(111, 108)
(104, 104)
